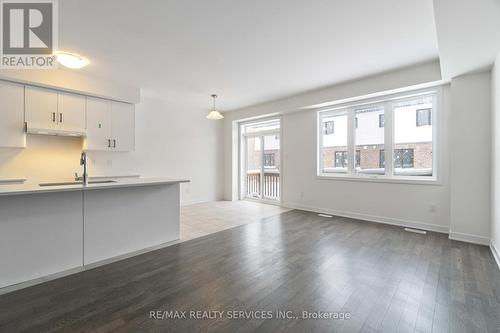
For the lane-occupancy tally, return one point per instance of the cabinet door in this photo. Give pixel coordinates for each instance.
(41, 108)
(71, 112)
(123, 120)
(12, 115)
(98, 124)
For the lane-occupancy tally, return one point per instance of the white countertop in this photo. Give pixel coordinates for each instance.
(34, 188)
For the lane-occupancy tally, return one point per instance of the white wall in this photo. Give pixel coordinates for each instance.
(397, 79)
(385, 202)
(470, 157)
(171, 141)
(425, 206)
(495, 157)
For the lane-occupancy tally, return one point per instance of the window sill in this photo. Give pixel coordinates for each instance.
(382, 179)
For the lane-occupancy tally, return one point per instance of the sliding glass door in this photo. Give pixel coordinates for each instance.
(261, 158)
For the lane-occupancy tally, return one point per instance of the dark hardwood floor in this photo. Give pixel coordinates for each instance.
(386, 279)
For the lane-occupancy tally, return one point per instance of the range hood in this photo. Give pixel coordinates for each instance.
(47, 131)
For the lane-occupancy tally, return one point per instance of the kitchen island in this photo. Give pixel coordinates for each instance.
(57, 229)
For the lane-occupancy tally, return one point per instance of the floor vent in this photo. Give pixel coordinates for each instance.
(417, 231)
(325, 215)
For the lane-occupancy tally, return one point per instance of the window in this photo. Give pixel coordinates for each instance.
(413, 142)
(381, 120)
(268, 160)
(363, 144)
(329, 127)
(369, 140)
(333, 144)
(403, 158)
(424, 117)
(341, 159)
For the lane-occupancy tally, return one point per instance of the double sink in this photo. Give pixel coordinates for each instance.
(77, 183)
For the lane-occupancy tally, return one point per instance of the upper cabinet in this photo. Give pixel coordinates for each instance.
(123, 126)
(105, 125)
(110, 125)
(98, 124)
(12, 115)
(41, 108)
(71, 109)
(53, 111)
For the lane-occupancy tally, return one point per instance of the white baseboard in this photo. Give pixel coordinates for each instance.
(192, 202)
(458, 236)
(371, 218)
(495, 252)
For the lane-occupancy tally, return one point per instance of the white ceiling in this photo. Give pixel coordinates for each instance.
(246, 51)
(468, 33)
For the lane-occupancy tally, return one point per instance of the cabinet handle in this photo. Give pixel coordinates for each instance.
(109, 143)
(114, 143)
(53, 117)
(60, 118)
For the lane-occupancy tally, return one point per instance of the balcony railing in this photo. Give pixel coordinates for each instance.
(271, 185)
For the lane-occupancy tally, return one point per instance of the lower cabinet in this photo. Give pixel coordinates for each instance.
(123, 220)
(40, 235)
(60, 232)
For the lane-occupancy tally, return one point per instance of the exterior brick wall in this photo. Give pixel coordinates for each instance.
(370, 155)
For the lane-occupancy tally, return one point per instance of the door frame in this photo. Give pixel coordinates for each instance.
(242, 158)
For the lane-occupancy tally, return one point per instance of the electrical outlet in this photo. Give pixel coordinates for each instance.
(110, 162)
(432, 208)
(301, 194)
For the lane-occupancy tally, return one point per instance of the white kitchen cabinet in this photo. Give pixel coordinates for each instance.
(40, 235)
(12, 115)
(122, 126)
(54, 112)
(110, 125)
(98, 124)
(41, 108)
(71, 112)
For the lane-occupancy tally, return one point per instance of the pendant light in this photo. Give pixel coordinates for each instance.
(214, 114)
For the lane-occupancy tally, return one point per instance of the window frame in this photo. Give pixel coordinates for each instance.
(388, 102)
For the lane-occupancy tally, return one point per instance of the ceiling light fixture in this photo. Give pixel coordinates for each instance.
(71, 60)
(214, 114)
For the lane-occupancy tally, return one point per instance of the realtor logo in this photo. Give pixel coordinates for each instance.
(29, 34)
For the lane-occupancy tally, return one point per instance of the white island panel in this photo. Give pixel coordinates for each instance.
(118, 221)
(39, 235)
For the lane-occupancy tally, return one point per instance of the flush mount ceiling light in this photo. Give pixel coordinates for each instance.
(71, 60)
(214, 114)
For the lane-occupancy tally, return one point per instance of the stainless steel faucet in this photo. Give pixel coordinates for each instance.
(83, 161)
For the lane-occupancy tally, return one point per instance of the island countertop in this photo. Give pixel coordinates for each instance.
(35, 188)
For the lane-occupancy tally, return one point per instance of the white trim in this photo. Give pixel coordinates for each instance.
(261, 133)
(371, 218)
(410, 91)
(381, 179)
(495, 253)
(388, 104)
(243, 156)
(468, 238)
(78, 269)
(193, 202)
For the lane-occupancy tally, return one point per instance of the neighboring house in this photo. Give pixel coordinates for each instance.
(271, 154)
(412, 140)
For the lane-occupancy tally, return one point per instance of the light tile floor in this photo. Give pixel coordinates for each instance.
(207, 218)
